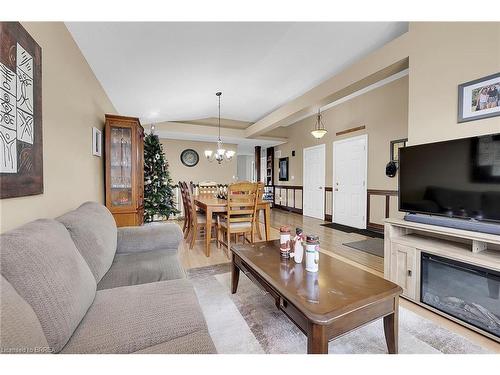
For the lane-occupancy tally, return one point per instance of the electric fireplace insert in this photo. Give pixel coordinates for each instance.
(466, 292)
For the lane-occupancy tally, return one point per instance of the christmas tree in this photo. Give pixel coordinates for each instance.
(158, 186)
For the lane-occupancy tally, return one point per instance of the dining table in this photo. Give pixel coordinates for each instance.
(211, 204)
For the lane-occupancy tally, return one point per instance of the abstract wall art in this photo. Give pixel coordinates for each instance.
(21, 160)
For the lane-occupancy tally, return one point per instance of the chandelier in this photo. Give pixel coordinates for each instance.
(220, 153)
(319, 128)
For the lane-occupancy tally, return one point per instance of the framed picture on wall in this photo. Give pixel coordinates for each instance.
(96, 142)
(479, 99)
(395, 146)
(283, 169)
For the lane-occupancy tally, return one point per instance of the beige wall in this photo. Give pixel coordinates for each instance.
(204, 170)
(380, 64)
(384, 112)
(442, 56)
(73, 102)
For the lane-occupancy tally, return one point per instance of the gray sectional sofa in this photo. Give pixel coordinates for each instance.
(79, 284)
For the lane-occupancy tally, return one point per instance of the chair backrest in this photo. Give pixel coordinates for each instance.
(182, 188)
(260, 191)
(242, 202)
(190, 206)
(208, 187)
(207, 183)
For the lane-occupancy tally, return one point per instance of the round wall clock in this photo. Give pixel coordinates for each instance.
(189, 157)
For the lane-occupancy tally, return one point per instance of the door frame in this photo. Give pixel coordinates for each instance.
(362, 136)
(323, 147)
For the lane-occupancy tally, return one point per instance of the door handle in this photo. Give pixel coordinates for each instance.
(320, 188)
(409, 273)
(336, 189)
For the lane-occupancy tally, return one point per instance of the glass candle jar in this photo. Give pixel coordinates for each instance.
(298, 245)
(312, 253)
(285, 241)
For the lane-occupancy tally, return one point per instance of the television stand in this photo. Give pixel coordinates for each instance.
(405, 243)
(465, 224)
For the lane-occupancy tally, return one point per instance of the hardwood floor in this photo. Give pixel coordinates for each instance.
(195, 257)
(331, 241)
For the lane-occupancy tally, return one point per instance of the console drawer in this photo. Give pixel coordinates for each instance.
(257, 279)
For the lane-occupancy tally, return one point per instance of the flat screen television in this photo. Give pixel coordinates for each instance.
(458, 178)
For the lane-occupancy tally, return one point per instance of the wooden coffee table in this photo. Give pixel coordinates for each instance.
(324, 305)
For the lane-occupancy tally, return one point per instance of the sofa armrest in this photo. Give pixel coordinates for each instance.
(161, 236)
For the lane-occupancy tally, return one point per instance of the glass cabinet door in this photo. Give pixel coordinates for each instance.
(121, 166)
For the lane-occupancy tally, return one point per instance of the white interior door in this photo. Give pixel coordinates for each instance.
(314, 182)
(349, 181)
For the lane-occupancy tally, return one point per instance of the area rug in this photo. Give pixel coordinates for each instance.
(248, 322)
(347, 229)
(374, 246)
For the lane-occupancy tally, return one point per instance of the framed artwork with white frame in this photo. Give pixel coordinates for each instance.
(96, 142)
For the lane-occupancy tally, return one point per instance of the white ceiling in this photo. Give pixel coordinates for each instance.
(170, 71)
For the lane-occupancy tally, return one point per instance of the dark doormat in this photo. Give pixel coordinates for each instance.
(374, 246)
(345, 228)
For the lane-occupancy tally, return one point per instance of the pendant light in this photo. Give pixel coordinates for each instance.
(220, 154)
(319, 129)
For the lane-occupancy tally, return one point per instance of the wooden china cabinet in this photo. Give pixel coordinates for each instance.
(124, 151)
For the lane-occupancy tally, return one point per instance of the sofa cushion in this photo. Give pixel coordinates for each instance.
(93, 229)
(198, 342)
(154, 236)
(141, 268)
(131, 318)
(43, 265)
(20, 329)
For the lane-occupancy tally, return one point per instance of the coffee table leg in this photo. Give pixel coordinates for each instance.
(317, 342)
(391, 327)
(235, 277)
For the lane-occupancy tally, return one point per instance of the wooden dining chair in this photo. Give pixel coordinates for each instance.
(198, 220)
(208, 188)
(240, 216)
(187, 219)
(260, 196)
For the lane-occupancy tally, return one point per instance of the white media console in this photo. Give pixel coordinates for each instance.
(405, 242)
